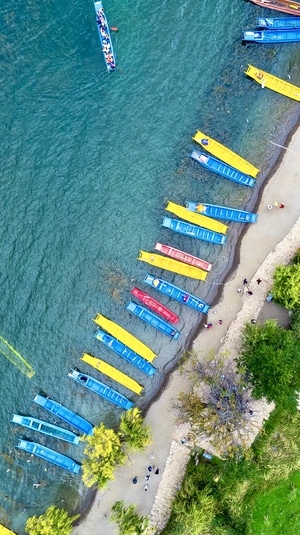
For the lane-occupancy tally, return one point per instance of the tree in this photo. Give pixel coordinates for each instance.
(133, 431)
(286, 287)
(129, 522)
(55, 521)
(103, 452)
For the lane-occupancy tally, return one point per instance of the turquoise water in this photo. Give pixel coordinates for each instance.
(88, 163)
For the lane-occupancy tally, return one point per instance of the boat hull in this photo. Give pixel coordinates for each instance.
(222, 212)
(187, 258)
(50, 455)
(105, 38)
(112, 372)
(222, 169)
(284, 6)
(282, 22)
(173, 265)
(65, 414)
(152, 319)
(6, 531)
(272, 36)
(46, 428)
(196, 219)
(155, 305)
(193, 231)
(272, 82)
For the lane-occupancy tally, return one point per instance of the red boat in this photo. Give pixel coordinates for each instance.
(183, 257)
(284, 6)
(155, 305)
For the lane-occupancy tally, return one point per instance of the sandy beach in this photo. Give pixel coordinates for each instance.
(269, 242)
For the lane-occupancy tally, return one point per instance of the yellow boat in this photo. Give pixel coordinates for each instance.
(6, 531)
(226, 155)
(197, 219)
(175, 266)
(272, 82)
(113, 373)
(124, 336)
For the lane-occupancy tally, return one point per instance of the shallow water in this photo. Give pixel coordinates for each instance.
(88, 163)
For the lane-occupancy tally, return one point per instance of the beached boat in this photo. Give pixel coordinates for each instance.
(272, 82)
(187, 229)
(105, 38)
(284, 6)
(103, 390)
(272, 36)
(65, 414)
(155, 305)
(48, 454)
(222, 169)
(48, 429)
(152, 319)
(125, 337)
(6, 531)
(183, 256)
(112, 372)
(125, 352)
(180, 295)
(172, 265)
(222, 212)
(226, 155)
(282, 22)
(196, 219)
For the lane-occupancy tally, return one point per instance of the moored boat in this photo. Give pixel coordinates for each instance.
(152, 319)
(284, 6)
(105, 38)
(180, 295)
(223, 169)
(125, 352)
(65, 414)
(222, 212)
(46, 428)
(272, 36)
(172, 265)
(225, 154)
(282, 22)
(103, 390)
(183, 256)
(125, 337)
(50, 455)
(112, 372)
(6, 531)
(193, 231)
(272, 82)
(196, 219)
(155, 305)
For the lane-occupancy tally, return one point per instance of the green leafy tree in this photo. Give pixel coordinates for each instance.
(295, 323)
(55, 521)
(129, 522)
(103, 452)
(286, 287)
(133, 431)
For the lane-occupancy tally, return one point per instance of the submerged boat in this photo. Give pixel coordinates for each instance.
(112, 372)
(6, 531)
(177, 293)
(272, 36)
(196, 219)
(282, 22)
(125, 337)
(222, 212)
(105, 38)
(173, 265)
(226, 155)
(187, 229)
(285, 6)
(272, 82)
(46, 428)
(183, 256)
(48, 454)
(65, 414)
(125, 352)
(152, 319)
(155, 305)
(222, 169)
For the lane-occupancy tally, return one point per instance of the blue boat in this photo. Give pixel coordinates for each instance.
(188, 229)
(176, 293)
(272, 36)
(48, 454)
(222, 169)
(105, 38)
(101, 389)
(221, 212)
(125, 352)
(46, 428)
(279, 23)
(153, 320)
(65, 414)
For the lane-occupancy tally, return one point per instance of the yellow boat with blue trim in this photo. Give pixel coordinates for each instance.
(6, 531)
(272, 82)
(112, 372)
(197, 219)
(175, 266)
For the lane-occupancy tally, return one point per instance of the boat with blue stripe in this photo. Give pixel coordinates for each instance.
(65, 414)
(105, 38)
(222, 169)
(152, 319)
(282, 22)
(125, 352)
(48, 454)
(193, 231)
(272, 36)
(51, 430)
(101, 389)
(222, 212)
(177, 293)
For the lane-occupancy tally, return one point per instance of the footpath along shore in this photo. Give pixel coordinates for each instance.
(270, 242)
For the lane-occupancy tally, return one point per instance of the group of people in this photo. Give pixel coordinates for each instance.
(105, 39)
(151, 469)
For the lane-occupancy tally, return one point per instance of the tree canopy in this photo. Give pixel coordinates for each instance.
(133, 431)
(55, 521)
(129, 522)
(286, 287)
